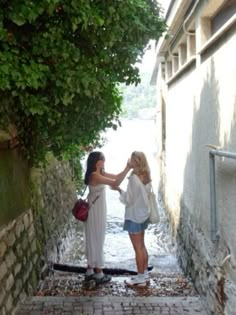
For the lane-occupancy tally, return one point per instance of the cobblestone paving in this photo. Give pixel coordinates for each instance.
(64, 294)
(112, 306)
(161, 284)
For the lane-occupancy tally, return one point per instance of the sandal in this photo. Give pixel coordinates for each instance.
(89, 278)
(104, 279)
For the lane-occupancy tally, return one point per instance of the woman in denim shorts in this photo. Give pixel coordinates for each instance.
(135, 199)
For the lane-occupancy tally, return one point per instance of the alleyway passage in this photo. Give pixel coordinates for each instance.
(169, 293)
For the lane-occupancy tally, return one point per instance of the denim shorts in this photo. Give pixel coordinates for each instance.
(133, 227)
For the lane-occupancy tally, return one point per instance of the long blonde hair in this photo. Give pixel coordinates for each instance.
(142, 168)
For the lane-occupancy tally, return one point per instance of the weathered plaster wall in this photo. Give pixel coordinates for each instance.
(35, 237)
(200, 110)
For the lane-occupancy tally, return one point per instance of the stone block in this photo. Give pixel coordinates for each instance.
(24, 261)
(2, 233)
(31, 232)
(30, 266)
(19, 228)
(17, 268)
(19, 250)
(30, 289)
(10, 239)
(23, 296)
(18, 288)
(3, 248)
(34, 278)
(31, 217)
(3, 311)
(25, 242)
(2, 295)
(33, 246)
(35, 258)
(10, 259)
(26, 275)
(9, 282)
(26, 221)
(9, 303)
(14, 310)
(3, 270)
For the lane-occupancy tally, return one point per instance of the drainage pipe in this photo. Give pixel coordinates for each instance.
(188, 17)
(184, 27)
(214, 217)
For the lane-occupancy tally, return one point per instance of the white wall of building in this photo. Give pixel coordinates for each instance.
(200, 110)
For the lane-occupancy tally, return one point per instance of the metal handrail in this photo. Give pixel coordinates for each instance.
(214, 218)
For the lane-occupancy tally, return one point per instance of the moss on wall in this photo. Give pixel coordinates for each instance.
(14, 185)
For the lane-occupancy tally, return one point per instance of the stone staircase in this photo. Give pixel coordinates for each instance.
(169, 292)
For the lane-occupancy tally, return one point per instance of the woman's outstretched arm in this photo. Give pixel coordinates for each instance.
(118, 178)
(96, 178)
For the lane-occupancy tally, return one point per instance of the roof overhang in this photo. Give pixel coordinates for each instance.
(174, 19)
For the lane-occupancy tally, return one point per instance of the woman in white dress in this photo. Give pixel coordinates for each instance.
(96, 178)
(135, 199)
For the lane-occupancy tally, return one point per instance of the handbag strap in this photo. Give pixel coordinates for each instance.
(84, 190)
(93, 202)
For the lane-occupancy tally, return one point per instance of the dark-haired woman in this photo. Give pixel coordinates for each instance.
(96, 178)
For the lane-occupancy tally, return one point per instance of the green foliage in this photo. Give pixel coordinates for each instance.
(60, 62)
(138, 97)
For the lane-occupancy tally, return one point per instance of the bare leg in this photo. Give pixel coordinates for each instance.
(141, 255)
(145, 253)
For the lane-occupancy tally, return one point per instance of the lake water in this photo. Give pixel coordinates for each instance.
(134, 135)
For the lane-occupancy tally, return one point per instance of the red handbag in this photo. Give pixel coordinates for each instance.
(81, 209)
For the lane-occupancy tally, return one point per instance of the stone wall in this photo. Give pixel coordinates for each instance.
(205, 262)
(35, 238)
(54, 194)
(19, 262)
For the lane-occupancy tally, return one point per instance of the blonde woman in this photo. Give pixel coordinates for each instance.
(135, 199)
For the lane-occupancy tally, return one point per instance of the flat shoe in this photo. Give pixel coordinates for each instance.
(89, 278)
(104, 279)
(135, 282)
(146, 277)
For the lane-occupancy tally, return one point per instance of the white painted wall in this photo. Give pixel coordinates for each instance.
(201, 109)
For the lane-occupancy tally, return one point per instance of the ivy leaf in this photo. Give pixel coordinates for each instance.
(18, 19)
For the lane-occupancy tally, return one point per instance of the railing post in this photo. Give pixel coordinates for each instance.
(214, 219)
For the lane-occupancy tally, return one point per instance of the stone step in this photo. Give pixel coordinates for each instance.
(161, 284)
(111, 305)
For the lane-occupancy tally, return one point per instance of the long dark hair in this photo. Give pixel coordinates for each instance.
(93, 158)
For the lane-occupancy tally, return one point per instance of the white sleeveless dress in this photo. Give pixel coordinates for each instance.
(95, 226)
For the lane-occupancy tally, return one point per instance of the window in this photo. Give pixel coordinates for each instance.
(228, 10)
